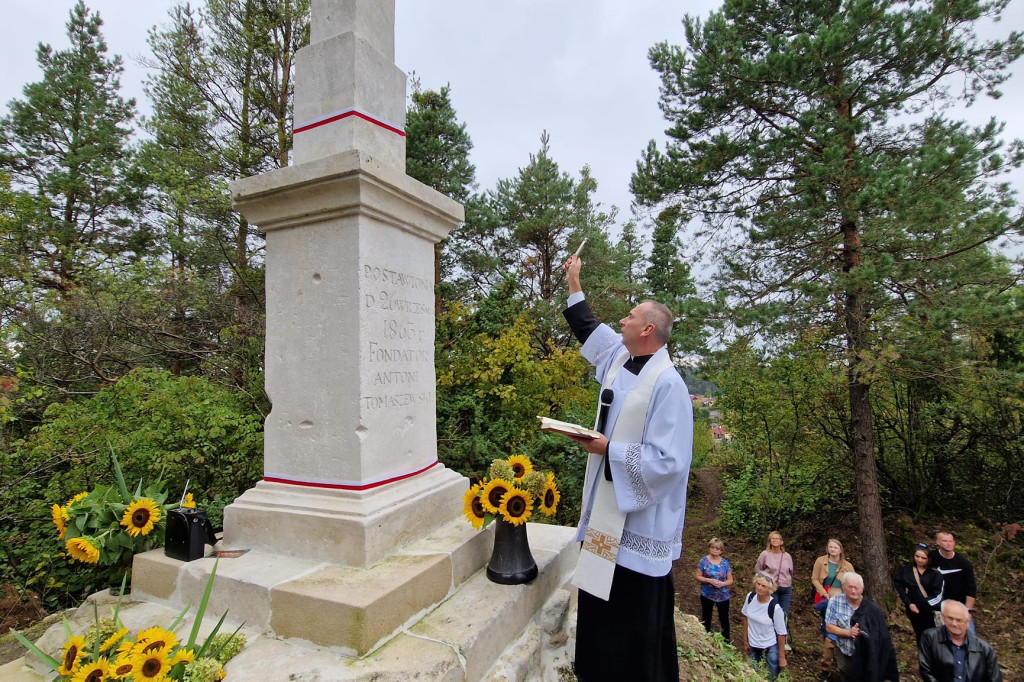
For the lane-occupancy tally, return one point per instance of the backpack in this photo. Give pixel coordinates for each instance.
(771, 604)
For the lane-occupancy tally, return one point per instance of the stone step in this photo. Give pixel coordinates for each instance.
(358, 607)
(352, 611)
(313, 608)
(458, 641)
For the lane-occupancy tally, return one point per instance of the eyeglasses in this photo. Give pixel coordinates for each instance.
(765, 577)
(922, 545)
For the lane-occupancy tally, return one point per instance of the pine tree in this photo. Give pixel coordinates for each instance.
(797, 136)
(437, 145)
(187, 203)
(629, 254)
(540, 210)
(437, 150)
(234, 59)
(669, 281)
(238, 58)
(66, 144)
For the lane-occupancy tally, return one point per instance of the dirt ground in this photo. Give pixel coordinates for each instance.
(1000, 604)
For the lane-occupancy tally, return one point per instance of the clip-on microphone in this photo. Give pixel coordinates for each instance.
(607, 396)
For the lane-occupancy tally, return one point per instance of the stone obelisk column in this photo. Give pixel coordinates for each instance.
(350, 471)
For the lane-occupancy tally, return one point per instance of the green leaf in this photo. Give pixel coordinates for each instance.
(216, 629)
(202, 606)
(125, 497)
(45, 658)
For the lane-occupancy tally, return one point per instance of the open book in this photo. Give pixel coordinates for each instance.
(549, 424)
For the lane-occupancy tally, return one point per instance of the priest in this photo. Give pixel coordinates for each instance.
(634, 494)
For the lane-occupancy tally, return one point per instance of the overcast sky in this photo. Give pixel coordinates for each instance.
(576, 68)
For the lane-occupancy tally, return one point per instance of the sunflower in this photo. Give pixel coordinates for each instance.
(549, 499)
(492, 494)
(154, 639)
(83, 549)
(472, 508)
(516, 506)
(190, 502)
(60, 518)
(76, 498)
(126, 650)
(93, 672)
(140, 516)
(71, 657)
(122, 668)
(152, 666)
(183, 655)
(109, 642)
(520, 465)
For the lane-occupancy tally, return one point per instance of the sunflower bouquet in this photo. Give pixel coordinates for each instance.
(107, 652)
(511, 491)
(108, 525)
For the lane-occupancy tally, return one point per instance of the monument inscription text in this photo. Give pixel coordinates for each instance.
(397, 356)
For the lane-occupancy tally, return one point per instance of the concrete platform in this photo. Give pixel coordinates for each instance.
(423, 614)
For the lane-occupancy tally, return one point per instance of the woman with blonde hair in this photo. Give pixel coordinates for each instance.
(714, 573)
(764, 626)
(827, 577)
(777, 562)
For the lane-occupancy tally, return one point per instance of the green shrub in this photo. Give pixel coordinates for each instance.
(159, 426)
(757, 502)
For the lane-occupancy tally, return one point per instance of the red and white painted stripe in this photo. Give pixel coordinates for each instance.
(345, 113)
(345, 485)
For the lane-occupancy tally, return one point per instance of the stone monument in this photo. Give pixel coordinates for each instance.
(359, 563)
(350, 461)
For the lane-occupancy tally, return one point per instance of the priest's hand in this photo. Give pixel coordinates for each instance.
(595, 446)
(572, 267)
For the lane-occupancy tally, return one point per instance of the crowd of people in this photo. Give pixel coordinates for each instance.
(937, 589)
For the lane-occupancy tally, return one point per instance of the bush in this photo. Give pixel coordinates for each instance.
(756, 502)
(159, 426)
(493, 379)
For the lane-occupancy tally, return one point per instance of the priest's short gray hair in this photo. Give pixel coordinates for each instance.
(661, 317)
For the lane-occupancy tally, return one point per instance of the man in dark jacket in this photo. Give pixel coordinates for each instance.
(874, 657)
(952, 652)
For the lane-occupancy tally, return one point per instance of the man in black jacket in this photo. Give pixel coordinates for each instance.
(952, 652)
(957, 572)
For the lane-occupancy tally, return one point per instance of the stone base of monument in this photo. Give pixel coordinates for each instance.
(350, 527)
(427, 612)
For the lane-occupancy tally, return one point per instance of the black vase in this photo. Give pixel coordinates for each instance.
(511, 562)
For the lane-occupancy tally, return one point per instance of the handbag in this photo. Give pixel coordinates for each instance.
(818, 599)
(936, 615)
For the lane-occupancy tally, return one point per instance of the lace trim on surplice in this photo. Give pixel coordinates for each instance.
(649, 548)
(637, 487)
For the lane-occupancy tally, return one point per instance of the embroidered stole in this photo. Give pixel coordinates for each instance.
(596, 564)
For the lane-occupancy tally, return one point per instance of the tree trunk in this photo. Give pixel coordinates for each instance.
(869, 508)
(862, 445)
